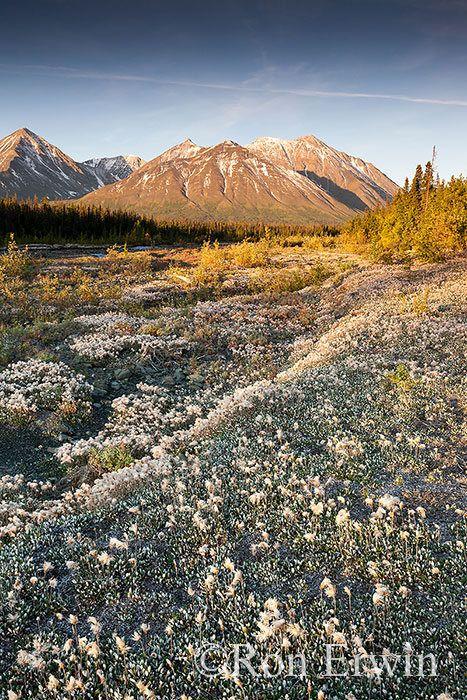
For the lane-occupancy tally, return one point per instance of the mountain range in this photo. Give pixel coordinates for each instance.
(272, 180)
(32, 167)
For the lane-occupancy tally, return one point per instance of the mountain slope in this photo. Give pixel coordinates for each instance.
(350, 180)
(108, 170)
(272, 180)
(186, 149)
(31, 166)
(226, 181)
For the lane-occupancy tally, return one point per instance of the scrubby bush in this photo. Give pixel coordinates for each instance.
(110, 459)
(250, 254)
(15, 262)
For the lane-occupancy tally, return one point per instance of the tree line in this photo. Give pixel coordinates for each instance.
(427, 218)
(45, 222)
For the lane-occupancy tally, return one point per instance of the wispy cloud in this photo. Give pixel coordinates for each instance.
(300, 92)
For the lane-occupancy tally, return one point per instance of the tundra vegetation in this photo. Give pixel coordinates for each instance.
(232, 444)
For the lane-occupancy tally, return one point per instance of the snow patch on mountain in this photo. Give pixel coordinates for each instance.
(32, 167)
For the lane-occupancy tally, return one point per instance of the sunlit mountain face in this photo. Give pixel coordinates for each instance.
(299, 181)
(32, 167)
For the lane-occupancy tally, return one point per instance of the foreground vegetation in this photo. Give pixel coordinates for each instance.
(235, 445)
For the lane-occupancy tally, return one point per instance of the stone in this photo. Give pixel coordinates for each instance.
(196, 379)
(179, 376)
(83, 365)
(100, 383)
(67, 429)
(122, 373)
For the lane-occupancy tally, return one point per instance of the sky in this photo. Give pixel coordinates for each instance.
(381, 80)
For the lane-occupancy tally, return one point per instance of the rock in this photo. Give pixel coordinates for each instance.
(63, 437)
(82, 366)
(115, 385)
(99, 393)
(168, 380)
(100, 383)
(97, 405)
(196, 379)
(122, 373)
(179, 376)
(67, 429)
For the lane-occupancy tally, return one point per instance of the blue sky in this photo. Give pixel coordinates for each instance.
(381, 80)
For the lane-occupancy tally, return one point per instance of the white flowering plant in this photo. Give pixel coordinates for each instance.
(27, 387)
(313, 499)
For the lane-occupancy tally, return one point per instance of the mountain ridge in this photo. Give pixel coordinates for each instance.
(252, 182)
(32, 167)
(328, 167)
(274, 180)
(222, 181)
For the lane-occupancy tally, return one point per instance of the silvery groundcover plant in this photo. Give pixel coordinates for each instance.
(254, 494)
